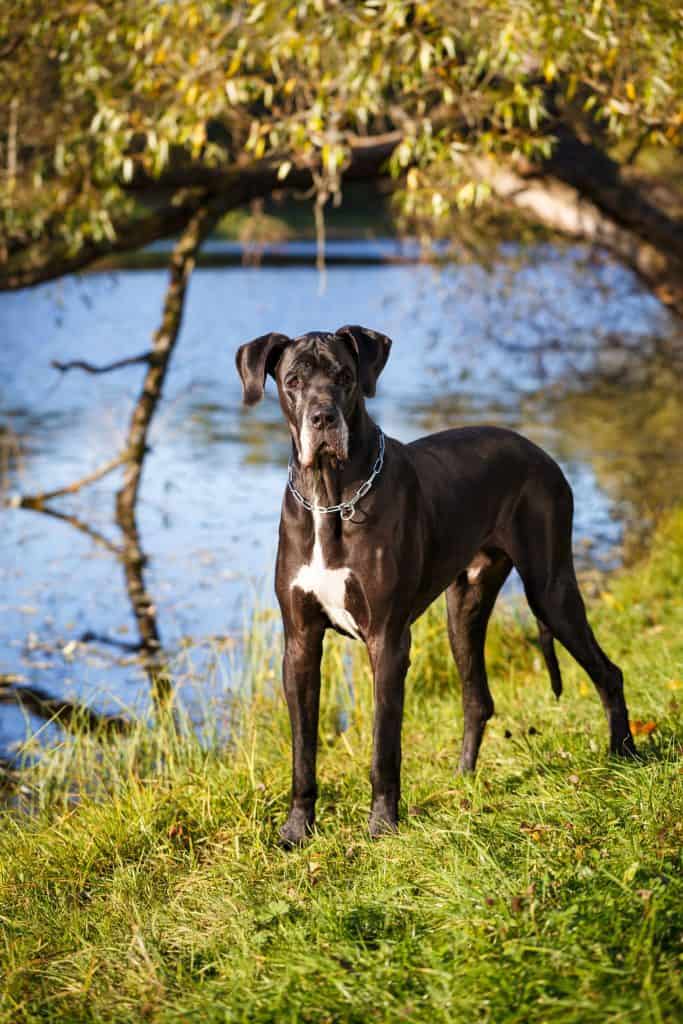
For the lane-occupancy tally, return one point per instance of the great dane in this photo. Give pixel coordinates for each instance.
(372, 531)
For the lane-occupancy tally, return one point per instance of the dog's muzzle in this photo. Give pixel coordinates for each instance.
(324, 431)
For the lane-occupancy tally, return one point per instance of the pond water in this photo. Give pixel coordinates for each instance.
(561, 345)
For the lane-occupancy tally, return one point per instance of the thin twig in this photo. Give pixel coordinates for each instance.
(38, 500)
(81, 364)
(9, 47)
(79, 525)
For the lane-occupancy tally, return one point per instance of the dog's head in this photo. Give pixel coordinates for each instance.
(321, 379)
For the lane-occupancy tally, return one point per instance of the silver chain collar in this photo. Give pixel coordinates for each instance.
(345, 508)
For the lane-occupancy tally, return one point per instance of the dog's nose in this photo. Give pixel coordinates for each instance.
(324, 416)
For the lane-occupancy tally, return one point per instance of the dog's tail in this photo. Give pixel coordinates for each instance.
(548, 647)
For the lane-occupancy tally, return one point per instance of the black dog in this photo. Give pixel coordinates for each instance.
(372, 531)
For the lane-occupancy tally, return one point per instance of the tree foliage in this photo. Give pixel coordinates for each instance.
(105, 102)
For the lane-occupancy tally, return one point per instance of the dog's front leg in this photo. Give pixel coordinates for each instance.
(390, 657)
(301, 678)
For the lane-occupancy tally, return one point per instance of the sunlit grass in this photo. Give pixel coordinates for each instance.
(146, 883)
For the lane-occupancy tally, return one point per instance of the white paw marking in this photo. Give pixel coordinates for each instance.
(328, 586)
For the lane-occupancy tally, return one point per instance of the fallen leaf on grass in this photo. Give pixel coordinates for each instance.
(534, 831)
(639, 728)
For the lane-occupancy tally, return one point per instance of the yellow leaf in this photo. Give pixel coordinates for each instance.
(160, 56)
(675, 684)
(234, 64)
(198, 137)
(630, 90)
(550, 70)
(192, 94)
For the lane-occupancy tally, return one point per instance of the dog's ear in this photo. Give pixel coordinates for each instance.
(372, 350)
(255, 360)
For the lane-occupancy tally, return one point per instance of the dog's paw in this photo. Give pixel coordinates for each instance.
(381, 823)
(295, 831)
(625, 749)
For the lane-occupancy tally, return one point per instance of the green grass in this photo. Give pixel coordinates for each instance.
(146, 884)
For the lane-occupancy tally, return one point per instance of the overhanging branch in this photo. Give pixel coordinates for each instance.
(42, 261)
(568, 212)
(225, 188)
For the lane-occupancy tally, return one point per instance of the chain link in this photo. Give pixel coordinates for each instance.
(345, 508)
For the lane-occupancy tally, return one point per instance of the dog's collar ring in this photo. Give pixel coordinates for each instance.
(345, 509)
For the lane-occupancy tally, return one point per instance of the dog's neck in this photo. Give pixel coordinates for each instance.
(330, 481)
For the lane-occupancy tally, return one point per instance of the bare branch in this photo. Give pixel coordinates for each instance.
(182, 264)
(78, 524)
(81, 364)
(36, 501)
(67, 713)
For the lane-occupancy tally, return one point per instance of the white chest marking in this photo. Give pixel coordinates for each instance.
(328, 585)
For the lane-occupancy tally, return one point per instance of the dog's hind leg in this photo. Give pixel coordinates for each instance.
(469, 602)
(541, 551)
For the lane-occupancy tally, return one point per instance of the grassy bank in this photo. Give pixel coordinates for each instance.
(147, 884)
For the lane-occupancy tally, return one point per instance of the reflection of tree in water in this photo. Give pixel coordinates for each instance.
(631, 430)
(131, 460)
(70, 714)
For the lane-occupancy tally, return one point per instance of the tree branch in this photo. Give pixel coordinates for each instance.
(81, 364)
(227, 188)
(43, 261)
(566, 211)
(78, 524)
(597, 178)
(36, 501)
(67, 713)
